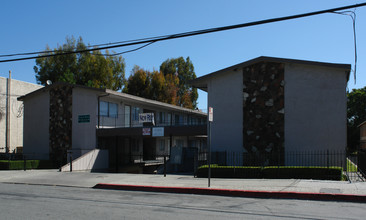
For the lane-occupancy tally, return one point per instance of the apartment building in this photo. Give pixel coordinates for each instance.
(278, 106)
(63, 119)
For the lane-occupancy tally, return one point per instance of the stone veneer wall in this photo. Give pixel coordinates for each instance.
(60, 126)
(263, 113)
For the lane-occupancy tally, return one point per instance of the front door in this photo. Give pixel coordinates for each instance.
(149, 150)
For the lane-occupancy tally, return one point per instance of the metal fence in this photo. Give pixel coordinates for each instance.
(141, 158)
(289, 158)
(353, 165)
(126, 121)
(361, 161)
(11, 156)
(356, 166)
(22, 156)
(24, 161)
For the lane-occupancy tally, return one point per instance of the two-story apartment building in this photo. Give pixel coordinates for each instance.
(63, 118)
(276, 107)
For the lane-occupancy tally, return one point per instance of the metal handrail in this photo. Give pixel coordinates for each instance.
(118, 121)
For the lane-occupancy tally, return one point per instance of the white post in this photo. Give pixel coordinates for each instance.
(210, 119)
(7, 148)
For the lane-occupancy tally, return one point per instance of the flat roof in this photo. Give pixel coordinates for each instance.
(201, 82)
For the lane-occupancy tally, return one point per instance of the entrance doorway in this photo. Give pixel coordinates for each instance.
(149, 149)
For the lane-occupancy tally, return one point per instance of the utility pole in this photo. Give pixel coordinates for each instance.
(7, 148)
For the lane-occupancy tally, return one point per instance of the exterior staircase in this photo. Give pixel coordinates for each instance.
(94, 160)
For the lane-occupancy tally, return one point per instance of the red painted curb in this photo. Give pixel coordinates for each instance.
(237, 193)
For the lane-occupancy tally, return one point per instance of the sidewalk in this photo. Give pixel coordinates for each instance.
(263, 188)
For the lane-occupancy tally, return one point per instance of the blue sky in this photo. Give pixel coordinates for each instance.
(28, 26)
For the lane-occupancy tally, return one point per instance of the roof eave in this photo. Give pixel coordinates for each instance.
(153, 102)
(203, 79)
(46, 88)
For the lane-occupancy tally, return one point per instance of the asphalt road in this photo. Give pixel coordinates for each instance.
(19, 201)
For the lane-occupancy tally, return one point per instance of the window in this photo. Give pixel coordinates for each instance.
(108, 109)
(162, 145)
(162, 118)
(169, 119)
(192, 120)
(135, 113)
(103, 109)
(113, 110)
(180, 143)
(178, 120)
(127, 115)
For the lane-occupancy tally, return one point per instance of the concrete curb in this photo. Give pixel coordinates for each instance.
(237, 193)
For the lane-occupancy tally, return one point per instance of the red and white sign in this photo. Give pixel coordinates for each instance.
(146, 131)
(210, 114)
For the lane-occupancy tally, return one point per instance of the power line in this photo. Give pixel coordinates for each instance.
(148, 41)
(352, 14)
(128, 51)
(89, 46)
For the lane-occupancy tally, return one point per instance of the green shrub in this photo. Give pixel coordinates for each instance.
(320, 173)
(282, 172)
(230, 172)
(351, 167)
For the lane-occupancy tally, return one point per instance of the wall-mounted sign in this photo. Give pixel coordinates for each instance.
(146, 117)
(146, 131)
(83, 118)
(158, 132)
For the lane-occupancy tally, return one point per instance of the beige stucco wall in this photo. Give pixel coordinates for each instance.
(36, 127)
(84, 102)
(225, 95)
(315, 108)
(17, 88)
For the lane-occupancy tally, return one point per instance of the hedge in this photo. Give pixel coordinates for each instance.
(30, 164)
(282, 172)
(230, 172)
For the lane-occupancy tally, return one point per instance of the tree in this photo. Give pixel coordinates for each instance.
(170, 85)
(158, 87)
(88, 68)
(139, 83)
(171, 89)
(187, 96)
(356, 114)
(152, 85)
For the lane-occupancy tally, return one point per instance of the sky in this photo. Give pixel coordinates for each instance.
(28, 26)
